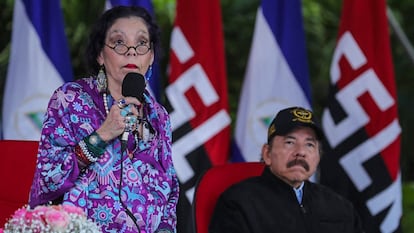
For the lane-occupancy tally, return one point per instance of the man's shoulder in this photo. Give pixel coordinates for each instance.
(247, 187)
(327, 193)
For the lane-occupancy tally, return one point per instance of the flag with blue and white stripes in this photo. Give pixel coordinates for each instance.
(39, 63)
(276, 77)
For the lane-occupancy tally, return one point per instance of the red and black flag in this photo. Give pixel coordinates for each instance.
(197, 95)
(360, 121)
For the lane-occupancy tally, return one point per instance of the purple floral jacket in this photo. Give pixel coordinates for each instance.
(150, 186)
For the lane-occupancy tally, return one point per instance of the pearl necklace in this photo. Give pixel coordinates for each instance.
(106, 103)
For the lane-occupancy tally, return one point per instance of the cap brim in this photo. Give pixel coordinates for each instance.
(289, 128)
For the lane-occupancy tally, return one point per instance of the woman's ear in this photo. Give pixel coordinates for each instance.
(100, 59)
(152, 58)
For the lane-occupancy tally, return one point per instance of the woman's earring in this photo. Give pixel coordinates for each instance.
(149, 73)
(101, 80)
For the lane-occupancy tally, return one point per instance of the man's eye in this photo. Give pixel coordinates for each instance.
(311, 144)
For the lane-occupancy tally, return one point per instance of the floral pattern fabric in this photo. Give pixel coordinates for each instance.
(149, 183)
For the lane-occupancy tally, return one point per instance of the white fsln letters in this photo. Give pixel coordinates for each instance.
(356, 118)
(195, 77)
(390, 196)
(348, 99)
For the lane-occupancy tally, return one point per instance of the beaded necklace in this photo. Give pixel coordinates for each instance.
(105, 100)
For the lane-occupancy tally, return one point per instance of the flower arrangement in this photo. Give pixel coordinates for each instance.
(45, 219)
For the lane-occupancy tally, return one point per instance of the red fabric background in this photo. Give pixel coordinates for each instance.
(17, 166)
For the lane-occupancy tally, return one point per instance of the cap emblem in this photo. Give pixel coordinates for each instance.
(302, 115)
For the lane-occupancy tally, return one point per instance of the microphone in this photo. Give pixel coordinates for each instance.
(133, 85)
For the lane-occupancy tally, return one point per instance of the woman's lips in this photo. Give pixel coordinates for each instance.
(131, 66)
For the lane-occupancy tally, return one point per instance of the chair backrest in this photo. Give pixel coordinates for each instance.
(212, 183)
(17, 166)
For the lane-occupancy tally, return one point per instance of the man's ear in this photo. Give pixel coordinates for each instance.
(266, 154)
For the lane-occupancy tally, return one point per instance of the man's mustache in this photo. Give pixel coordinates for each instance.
(300, 162)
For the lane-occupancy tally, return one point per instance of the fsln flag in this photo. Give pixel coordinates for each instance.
(197, 94)
(361, 124)
(39, 63)
(154, 76)
(276, 77)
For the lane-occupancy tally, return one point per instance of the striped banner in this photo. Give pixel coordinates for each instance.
(197, 94)
(39, 63)
(362, 157)
(276, 76)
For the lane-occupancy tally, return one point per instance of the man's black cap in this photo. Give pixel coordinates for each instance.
(290, 118)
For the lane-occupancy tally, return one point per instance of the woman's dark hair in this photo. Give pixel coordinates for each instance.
(98, 33)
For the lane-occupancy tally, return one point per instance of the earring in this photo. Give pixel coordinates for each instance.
(149, 73)
(101, 80)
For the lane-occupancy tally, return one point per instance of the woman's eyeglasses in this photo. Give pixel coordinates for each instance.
(122, 49)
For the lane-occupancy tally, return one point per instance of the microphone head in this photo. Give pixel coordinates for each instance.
(133, 85)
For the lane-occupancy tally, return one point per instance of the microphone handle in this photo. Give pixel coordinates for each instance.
(125, 134)
(124, 140)
(124, 137)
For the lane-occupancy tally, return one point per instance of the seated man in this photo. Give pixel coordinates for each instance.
(282, 199)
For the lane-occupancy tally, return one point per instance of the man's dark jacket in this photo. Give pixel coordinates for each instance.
(266, 204)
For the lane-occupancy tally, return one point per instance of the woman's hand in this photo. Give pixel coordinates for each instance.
(114, 124)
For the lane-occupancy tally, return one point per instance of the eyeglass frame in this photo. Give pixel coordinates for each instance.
(129, 47)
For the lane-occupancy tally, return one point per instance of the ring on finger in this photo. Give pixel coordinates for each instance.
(131, 119)
(124, 112)
(122, 103)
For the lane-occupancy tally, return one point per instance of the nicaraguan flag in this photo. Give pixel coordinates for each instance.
(154, 81)
(39, 63)
(276, 77)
